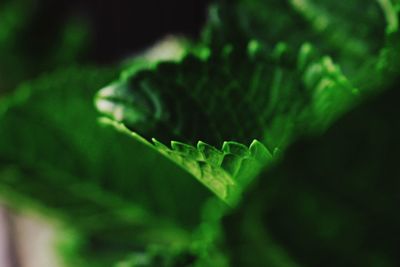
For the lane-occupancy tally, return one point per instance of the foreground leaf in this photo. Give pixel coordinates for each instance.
(56, 158)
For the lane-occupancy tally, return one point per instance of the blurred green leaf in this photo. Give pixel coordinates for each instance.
(25, 22)
(346, 32)
(55, 157)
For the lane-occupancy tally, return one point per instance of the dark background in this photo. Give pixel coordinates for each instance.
(45, 35)
(119, 27)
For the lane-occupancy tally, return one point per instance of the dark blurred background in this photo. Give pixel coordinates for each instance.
(38, 36)
(118, 27)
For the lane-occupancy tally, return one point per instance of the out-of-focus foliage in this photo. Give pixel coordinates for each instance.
(343, 30)
(56, 157)
(29, 45)
(332, 201)
(226, 109)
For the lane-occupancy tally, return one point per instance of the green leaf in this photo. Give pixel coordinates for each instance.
(56, 158)
(224, 171)
(240, 96)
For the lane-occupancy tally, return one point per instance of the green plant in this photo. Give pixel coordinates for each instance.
(227, 111)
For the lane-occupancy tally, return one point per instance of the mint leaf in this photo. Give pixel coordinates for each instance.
(224, 171)
(271, 98)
